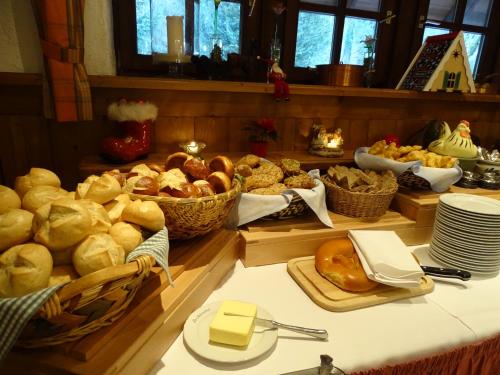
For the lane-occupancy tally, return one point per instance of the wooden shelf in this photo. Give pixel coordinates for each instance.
(93, 164)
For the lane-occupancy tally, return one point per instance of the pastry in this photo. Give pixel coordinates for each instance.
(220, 181)
(39, 195)
(116, 206)
(301, 181)
(196, 169)
(128, 236)
(251, 160)
(222, 164)
(176, 160)
(102, 190)
(15, 227)
(290, 167)
(98, 251)
(8, 199)
(99, 216)
(146, 214)
(35, 177)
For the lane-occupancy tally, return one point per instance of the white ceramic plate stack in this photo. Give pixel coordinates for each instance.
(466, 233)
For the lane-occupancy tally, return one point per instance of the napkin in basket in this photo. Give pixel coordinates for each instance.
(385, 259)
(251, 207)
(15, 313)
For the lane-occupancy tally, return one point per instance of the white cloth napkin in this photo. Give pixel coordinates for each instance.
(440, 179)
(385, 258)
(251, 207)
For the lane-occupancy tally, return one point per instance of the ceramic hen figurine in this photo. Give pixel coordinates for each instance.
(457, 143)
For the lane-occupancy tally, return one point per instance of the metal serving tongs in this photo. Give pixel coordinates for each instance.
(317, 333)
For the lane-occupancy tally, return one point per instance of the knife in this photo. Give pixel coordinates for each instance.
(317, 333)
(446, 272)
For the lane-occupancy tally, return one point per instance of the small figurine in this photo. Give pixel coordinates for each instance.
(457, 143)
(325, 144)
(277, 76)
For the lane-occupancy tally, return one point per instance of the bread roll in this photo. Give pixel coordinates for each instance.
(147, 214)
(15, 227)
(222, 164)
(103, 190)
(176, 160)
(206, 189)
(128, 236)
(62, 275)
(98, 251)
(220, 181)
(185, 190)
(8, 199)
(142, 170)
(338, 262)
(39, 195)
(35, 177)
(196, 169)
(118, 175)
(116, 206)
(173, 179)
(100, 218)
(146, 185)
(62, 224)
(24, 269)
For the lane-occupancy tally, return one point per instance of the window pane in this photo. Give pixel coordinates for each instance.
(314, 39)
(159, 11)
(143, 22)
(477, 12)
(356, 30)
(431, 31)
(442, 10)
(373, 5)
(473, 44)
(228, 27)
(322, 2)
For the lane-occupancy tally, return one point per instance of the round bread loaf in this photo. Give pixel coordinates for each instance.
(220, 181)
(176, 160)
(24, 269)
(100, 218)
(146, 185)
(98, 251)
(222, 164)
(129, 236)
(39, 195)
(15, 227)
(338, 262)
(62, 224)
(116, 206)
(8, 199)
(196, 169)
(146, 214)
(118, 175)
(35, 177)
(206, 189)
(102, 190)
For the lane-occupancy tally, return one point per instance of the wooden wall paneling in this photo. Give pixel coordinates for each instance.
(345, 125)
(408, 128)
(7, 153)
(168, 132)
(358, 133)
(286, 135)
(377, 129)
(238, 137)
(302, 132)
(214, 131)
(361, 108)
(24, 100)
(488, 133)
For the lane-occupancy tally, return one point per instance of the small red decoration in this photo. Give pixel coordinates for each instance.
(391, 138)
(277, 76)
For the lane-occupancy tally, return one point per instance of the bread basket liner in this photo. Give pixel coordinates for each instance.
(50, 303)
(191, 217)
(440, 179)
(251, 207)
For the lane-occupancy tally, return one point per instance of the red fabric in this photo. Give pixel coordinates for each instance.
(477, 359)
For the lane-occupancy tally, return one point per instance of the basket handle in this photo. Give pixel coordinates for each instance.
(140, 265)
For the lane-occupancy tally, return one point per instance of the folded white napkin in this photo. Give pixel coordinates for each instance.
(251, 207)
(385, 258)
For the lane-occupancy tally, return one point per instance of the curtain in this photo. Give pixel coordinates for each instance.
(66, 87)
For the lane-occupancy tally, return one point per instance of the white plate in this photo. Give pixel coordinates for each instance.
(453, 221)
(462, 234)
(472, 203)
(449, 210)
(451, 264)
(459, 258)
(196, 338)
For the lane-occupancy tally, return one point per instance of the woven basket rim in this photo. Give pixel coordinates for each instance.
(360, 193)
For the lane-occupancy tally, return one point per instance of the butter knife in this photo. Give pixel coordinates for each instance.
(317, 333)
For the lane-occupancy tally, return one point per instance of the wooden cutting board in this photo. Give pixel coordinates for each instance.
(332, 298)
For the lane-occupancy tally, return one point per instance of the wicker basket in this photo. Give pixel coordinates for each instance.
(191, 217)
(86, 304)
(409, 180)
(356, 204)
(296, 207)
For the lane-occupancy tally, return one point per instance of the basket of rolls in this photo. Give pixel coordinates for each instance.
(356, 193)
(195, 196)
(262, 177)
(71, 262)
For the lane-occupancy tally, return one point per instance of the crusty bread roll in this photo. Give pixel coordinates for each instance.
(15, 227)
(129, 236)
(206, 189)
(37, 196)
(173, 179)
(62, 275)
(118, 175)
(101, 191)
(176, 160)
(222, 164)
(98, 251)
(24, 269)
(196, 169)
(142, 170)
(338, 262)
(62, 224)
(146, 185)
(100, 218)
(146, 214)
(116, 206)
(35, 177)
(220, 181)
(8, 199)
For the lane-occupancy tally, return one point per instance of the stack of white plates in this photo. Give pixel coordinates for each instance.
(466, 233)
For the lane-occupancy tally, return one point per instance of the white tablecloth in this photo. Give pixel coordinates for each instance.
(456, 313)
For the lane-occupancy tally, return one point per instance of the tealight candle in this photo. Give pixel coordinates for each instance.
(193, 148)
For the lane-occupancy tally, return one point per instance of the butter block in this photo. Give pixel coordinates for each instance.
(233, 330)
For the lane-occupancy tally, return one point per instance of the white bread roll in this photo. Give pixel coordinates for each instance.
(63, 224)
(143, 170)
(129, 236)
(98, 251)
(147, 214)
(71, 195)
(37, 196)
(24, 269)
(35, 177)
(100, 218)
(62, 275)
(116, 207)
(102, 190)
(15, 227)
(8, 199)
(130, 183)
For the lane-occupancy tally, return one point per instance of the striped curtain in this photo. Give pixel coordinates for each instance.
(66, 87)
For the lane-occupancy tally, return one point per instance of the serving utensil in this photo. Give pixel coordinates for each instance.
(317, 333)
(451, 273)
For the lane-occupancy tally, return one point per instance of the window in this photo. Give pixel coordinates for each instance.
(314, 39)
